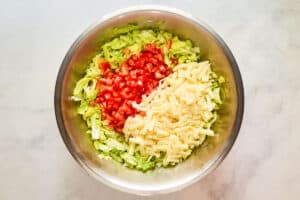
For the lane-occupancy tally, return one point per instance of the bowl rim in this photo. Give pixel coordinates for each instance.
(212, 164)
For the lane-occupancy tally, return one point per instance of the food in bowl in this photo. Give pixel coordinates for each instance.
(148, 99)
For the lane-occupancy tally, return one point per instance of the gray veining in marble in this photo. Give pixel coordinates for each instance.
(264, 36)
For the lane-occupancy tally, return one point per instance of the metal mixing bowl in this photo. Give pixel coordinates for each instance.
(205, 158)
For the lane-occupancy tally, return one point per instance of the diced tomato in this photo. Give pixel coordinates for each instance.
(142, 113)
(139, 83)
(133, 74)
(159, 57)
(174, 61)
(162, 68)
(131, 62)
(92, 103)
(153, 60)
(105, 67)
(169, 44)
(149, 66)
(126, 51)
(158, 75)
(135, 57)
(98, 85)
(137, 76)
(106, 81)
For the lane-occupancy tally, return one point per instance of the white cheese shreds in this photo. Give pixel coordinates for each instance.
(176, 114)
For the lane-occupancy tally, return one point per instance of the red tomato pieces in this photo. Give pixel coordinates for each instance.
(139, 75)
(169, 44)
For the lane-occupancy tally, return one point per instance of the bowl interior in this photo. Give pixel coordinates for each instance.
(204, 158)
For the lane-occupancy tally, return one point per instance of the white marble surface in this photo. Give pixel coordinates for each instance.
(264, 37)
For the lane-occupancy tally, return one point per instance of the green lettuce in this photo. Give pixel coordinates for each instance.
(183, 51)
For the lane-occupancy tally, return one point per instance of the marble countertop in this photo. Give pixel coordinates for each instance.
(264, 37)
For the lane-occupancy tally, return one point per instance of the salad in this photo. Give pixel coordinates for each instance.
(147, 99)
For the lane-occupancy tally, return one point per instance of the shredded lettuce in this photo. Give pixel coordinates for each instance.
(102, 147)
(211, 121)
(221, 79)
(130, 160)
(143, 163)
(217, 89)
(183, 51)
(116, 156)
(125, 29)
(93, 71)
(85, 89)
(82, 108)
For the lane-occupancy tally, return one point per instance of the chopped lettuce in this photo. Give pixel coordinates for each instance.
(211, 121)
(130, 160)
(216, 95)
(125, 29)
(144, 165)
(85, 89)
(115, 144)
(217, 89)
(102, 147)
(93, 71)
(83, 108)
(116, 156)
(183, 51)
(221, 79)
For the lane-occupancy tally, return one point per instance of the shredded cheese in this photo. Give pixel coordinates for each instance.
(176, 114)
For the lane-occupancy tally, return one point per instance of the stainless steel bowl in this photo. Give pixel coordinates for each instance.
(204, 159)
